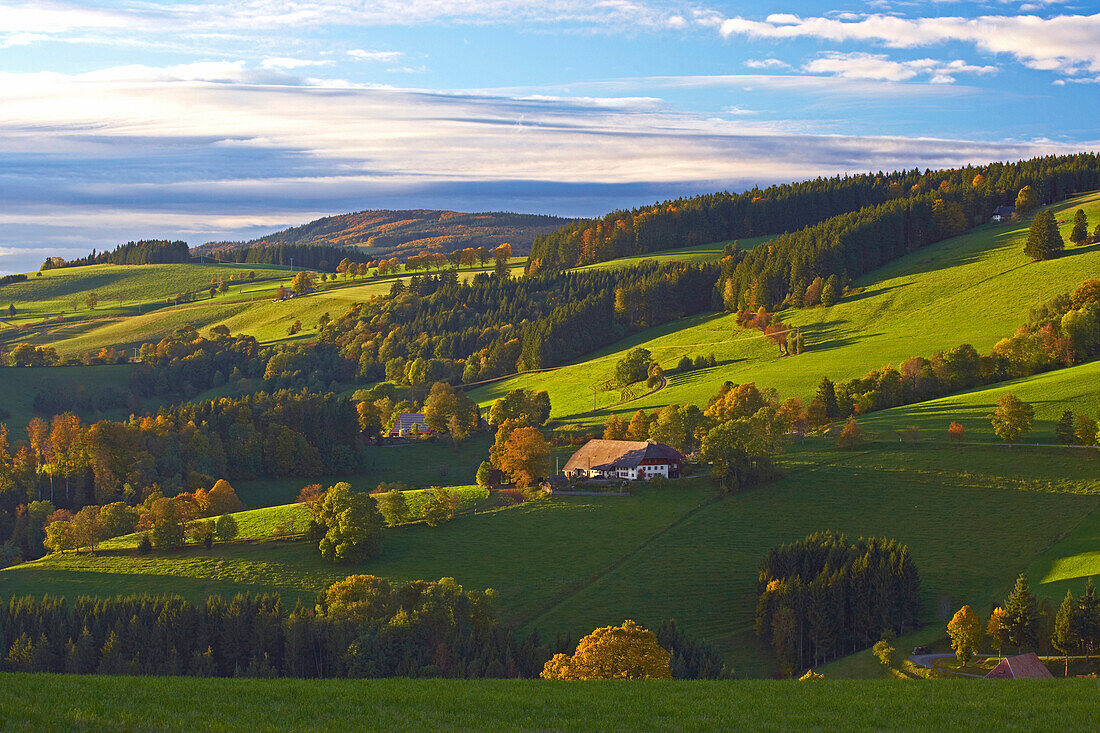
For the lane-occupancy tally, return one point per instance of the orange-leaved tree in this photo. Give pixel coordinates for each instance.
(626, 652)
(524, 456)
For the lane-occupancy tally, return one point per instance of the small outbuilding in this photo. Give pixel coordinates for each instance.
(624, 459)
(1023, 667)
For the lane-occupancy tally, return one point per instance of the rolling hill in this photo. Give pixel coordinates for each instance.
(976, 288)
(389, 233)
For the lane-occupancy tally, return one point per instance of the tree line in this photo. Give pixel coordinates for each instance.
(824, 597)
(361, 627)
(790, 207)
(855, 243)
(141, 252)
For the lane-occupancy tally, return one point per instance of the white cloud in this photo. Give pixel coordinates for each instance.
(385, 57)
(1066, 43)
(222, 147)
(861, 65)
(769, 63)
(284, 62)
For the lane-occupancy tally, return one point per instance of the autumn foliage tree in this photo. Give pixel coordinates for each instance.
(626, 652)
(955, 431)
(524, 456)
(1012, 418)
(965, 630)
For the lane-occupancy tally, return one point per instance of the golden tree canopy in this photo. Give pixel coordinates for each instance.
(627, 652)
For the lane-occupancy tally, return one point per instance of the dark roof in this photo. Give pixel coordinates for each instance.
(406, 420)
(607, 455)
(1025, 666)
(1004, 211)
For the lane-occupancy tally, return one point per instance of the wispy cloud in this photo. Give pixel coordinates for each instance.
(769, 63)
(859, 65)
(1069, 44)
(386, 57)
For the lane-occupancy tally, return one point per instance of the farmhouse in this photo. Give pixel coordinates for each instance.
(405, 423)
(1022, 667)
(1004, 213)
(624, 459)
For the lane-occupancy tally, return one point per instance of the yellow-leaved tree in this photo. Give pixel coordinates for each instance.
(627, 652)
(965, 630)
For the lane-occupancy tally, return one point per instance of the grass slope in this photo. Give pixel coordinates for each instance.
(534, 555)
(133, 310)
(30, 702)
(696, 253)
(975, 289)
(1076, 388)
(971, 525)
(575, 563)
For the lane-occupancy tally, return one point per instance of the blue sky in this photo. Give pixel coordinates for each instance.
(207, 120)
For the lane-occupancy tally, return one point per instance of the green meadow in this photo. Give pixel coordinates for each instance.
(682, 551)
(976, 288)
(137, 304)
(30, 702)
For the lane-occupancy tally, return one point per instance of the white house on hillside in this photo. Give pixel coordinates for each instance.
(624, 459)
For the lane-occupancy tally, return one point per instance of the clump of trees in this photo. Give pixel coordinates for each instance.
(1044, 241)
(362, 627)
(824, 597)
(348, 523)
(625, 652)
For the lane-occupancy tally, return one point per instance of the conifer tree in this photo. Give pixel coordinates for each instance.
(1066, 627)
(1044, 241)
(1021, 619)
(1080, 233)
(1063, 429)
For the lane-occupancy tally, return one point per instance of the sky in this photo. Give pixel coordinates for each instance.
(210, 120)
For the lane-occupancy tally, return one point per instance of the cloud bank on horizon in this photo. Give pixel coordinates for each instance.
(208, 121)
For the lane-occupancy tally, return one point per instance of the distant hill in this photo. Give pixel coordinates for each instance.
(403, 233)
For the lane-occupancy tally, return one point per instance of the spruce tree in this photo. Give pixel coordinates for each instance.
(832, 291)
(1064, 429)
(1065, 637)
(826, 392)
(1080, 232)
(1022, 615)
(1088, 620)
(1044, 241)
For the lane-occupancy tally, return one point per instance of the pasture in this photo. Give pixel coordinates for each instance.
(976, 288)
(30, 702)
(137, 304)
(574, 563)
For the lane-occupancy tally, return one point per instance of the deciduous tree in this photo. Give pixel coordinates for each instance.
(353, 525)
(525, 456)
(1012, 418)
(965, 630)
(625, 652)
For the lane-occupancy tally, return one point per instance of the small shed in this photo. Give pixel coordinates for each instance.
(1023, 667)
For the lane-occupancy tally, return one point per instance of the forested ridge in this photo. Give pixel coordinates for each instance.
(795, 206)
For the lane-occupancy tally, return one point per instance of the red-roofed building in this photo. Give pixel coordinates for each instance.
(1024, 667)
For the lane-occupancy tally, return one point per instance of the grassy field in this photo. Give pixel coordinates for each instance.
(1076, 389)
(133, 308)
(258, 525)
(534, 555)
(917, 305)
(66, 702)
(696, 253)
(418, 465)
(575, 563)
